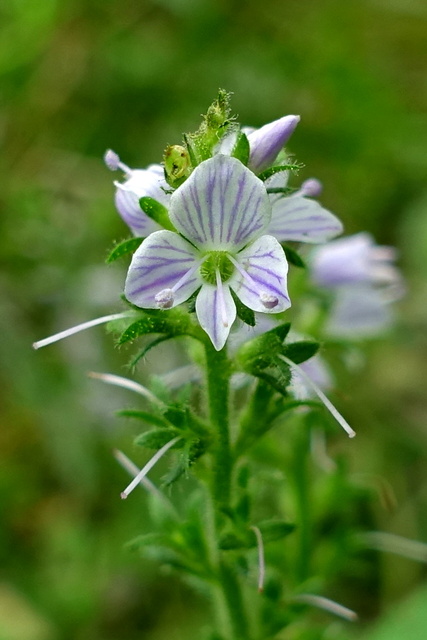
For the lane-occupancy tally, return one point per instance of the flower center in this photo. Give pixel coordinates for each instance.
(216, 261)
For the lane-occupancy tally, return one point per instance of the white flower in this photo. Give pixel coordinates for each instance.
(221, 212)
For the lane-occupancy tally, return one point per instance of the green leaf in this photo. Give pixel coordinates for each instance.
(278, 169)
(241, 149)
(301, 351)
(243, 312)
(230, 541)
(123, 248)
(149, 418)
(147, 348)
(173, 322)
(293, 257)
(272, 530)
(157, 212)
(145, 540)
(157, 438)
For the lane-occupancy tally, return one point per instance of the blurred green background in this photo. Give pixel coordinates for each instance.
(81, 76)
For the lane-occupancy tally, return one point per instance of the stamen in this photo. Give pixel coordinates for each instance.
(326, 605)
(125, 383)
(165, 298)
(150, 464)
(113, 162)
(261, 560)
(328, 404)
(80, 327)
(269, 301)
(129, 466)
(221, 300)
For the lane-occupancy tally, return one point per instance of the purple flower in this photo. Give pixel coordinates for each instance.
(138, 184)
(221, 212)
(266, 143)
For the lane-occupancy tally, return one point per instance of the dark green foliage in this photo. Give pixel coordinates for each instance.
(149, 418)
(173, 322)
(279, 169)
(157, 438)
(241, 149)
(123, 248)
(293, 256)
(301, 351)
(243, 312)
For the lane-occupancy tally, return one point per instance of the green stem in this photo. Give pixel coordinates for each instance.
(231, 599)
(218, 378)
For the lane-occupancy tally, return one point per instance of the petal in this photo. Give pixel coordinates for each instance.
(161, 261)
(265, 143)
(265, 263)
(303, 220)
(211, 313)
(142, 182)
(344, 261)
(221, 206)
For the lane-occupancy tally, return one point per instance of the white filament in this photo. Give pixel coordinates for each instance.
(80, 327)
(150, 464)
(125, 383)
(327, 605)
(221, 300)
(328, 404)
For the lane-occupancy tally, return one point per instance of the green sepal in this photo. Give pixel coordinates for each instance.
(260, 352)
(301, 351)
(241, 149)
(193, 451)
(293, 257)
(146, 416)
(278, 169)
(147, 348)
(173, 322)
(123, 248)
(157, 212)
(272, 530)
(157, 438)
(243, 312)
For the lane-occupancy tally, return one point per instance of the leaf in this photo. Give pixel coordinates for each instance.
(241, 149)
(157, 438)
(147, 348)
(294, 257)
(272, 530)
(123, 248)
(173, 322)
(157, 212)
(243, 312)
(301, 351)
(145, 540)
(149, 418)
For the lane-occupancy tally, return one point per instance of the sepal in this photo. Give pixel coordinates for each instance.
(156, 211)
(123, 248)
(157, 438)
(301, 351)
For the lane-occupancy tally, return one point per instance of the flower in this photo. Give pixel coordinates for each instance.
(138, 184)
(221, 212)
(266, 143)
(364, 280)
(297, 217)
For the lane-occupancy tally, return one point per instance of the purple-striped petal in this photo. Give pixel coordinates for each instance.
(261, 282)
(163, 261)
(303, 220)
(222, 206)
(359, 311)
(265, 143)
(216, 313)
(141, 183)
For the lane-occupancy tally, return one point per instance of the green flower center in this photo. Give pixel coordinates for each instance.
(216, 261)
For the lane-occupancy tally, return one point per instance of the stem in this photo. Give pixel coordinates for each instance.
(230, 601)
(218, 378)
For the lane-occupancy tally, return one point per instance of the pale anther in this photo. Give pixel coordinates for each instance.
(268, 300)
(113, 162)
(165, 299)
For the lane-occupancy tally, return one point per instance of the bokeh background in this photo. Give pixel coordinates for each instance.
(81, 76)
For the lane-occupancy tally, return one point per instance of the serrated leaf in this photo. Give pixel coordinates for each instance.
(123, 248)
(157, 438)
(243, 312)
(157, 212)
(301, 351)
(241, 149)
(149, 418)
(294, 257)
(278, 169)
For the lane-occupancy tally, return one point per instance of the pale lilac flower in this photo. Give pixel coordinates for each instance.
(353, 260)
(266, 143)
(297, 217)
(221, 212)
(364, 280)
(139, 183)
